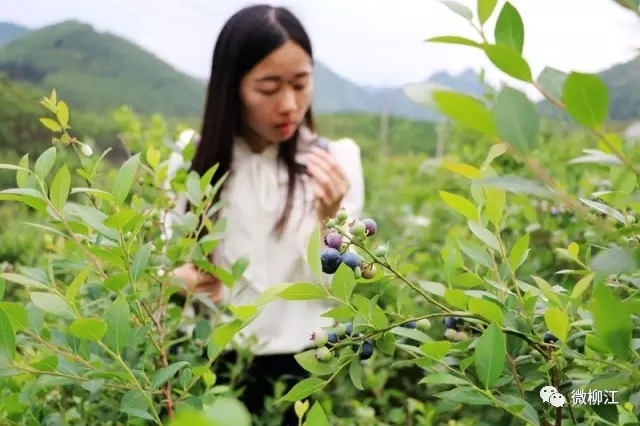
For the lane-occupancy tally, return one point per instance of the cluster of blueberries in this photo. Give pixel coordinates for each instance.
(322, 338)
(336, 250)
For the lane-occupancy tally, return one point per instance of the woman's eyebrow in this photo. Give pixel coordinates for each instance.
(278, 78)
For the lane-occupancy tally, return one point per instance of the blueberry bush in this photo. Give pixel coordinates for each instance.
(510, 265)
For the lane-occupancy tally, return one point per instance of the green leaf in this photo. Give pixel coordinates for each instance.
(225, 411)
(52, 304)
(460, 205)
(459, 9)
(519, 252)
(140, 262)
(453, 40)
(303, 291)
(465, 395)
(22, 172)
(456, 298)
(310, 363)
(125, 178)
(516, 119)
(618, 260)
(509, 61)
(586, 99)
(558, 323)
(485, 10)
(612, 321)
(484, 235)
(118, 319)
(356, 373)
(92, 329)
(316, 416)
(443, 379)
(222, 336)
(77, 283)
(62, 113)
(490, 355)
(3, 287)
(517, 185)
(552, 81)
(313, 253)
(162, 376)
(135, 404)
(45, 162)
(60, 187)
(465, 110)
(304, 389)
(509, 30)
(51, 124)
(486, 309)
(7, 336)
(23, 280)
(342, 283)
(436, 350)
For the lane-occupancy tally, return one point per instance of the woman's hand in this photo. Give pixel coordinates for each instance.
(197, 281)
(331, 182)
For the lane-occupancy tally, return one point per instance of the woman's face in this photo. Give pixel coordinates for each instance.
(277, 93)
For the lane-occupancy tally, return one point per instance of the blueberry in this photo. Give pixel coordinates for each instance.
(332, 338)
(330, 260)
(451, 322)
(366, 351)
(410, 324)
(547, 337)
(371, 226)
(348, 329)
(333, 240)
(350, 259)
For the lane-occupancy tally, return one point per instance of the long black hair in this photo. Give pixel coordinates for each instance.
(249, 36)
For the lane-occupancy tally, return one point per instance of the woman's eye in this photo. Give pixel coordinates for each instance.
(268, 92)
(299, 87)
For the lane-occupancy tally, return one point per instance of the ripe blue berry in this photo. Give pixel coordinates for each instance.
(332, 338)
(453, 323)
(330, 260)
(333, 240)
(348, 329)
(371, 227)
(366, 351)
(548, 337)
(411, 324)
(352, 260)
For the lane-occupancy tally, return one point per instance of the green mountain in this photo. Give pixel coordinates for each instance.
(10, 31)
(98, 72)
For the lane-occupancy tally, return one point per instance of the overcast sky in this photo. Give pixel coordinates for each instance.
(372, 42)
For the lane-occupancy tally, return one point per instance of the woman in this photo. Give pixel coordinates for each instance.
(259, 127)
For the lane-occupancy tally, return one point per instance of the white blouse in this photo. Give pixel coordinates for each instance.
(254, 195)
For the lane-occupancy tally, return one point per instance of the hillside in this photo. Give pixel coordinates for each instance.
(10, 31)
(100, 71)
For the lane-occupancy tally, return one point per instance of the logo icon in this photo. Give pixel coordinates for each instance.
(551, 395)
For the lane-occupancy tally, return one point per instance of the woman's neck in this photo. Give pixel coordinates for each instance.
(256, 143)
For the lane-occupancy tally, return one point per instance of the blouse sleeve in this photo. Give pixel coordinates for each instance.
(347, 153)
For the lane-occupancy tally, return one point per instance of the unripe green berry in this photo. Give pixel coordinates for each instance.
(357, 272)
(331, 223)
(461, 336)
(323, 354)
(450, 334)
(358, 228)
(424, 325)
(320, 338)
(342, 216)
(380, 251)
